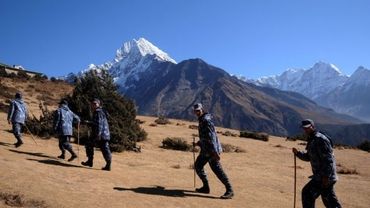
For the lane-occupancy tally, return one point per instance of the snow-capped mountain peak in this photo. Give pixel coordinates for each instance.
(319, 79)
(141, 48)
(324, 68)
(360, 77)
(131, 60)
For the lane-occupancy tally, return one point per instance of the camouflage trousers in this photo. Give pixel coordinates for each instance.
(65, 145)
(313, 189)
(104, 148)
(17, 131)
(216, 167)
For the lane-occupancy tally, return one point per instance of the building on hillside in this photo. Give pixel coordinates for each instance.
(16, 69)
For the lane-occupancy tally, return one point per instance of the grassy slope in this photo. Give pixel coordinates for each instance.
(262, 177)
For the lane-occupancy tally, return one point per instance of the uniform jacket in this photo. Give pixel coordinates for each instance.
(63, 120)
(18, 111)
(320, 155)
(208, 139)
(100, 126)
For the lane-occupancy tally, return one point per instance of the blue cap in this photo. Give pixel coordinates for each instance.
(18, 95)
(198, 106)
(307, 123)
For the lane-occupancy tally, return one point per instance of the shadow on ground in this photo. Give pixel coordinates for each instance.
(162, 191)
(36, 154)
(6, 144)
(56, 162)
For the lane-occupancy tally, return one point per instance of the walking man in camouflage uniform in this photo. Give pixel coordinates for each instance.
(210, 150)
(100, 135)
(17, 115)
(320, 154)
(63, 122)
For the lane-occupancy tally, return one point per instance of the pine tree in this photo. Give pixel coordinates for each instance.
(124, 128)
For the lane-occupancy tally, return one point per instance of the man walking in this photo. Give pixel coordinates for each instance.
(100, 134)
(63, 122)
(210, 150)
(319, 152)
(17, 115)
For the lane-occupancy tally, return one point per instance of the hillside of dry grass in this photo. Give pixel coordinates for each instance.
(262, 175)
(34, 92)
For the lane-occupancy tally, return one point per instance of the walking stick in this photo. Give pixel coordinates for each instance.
(194, 159)
(295, 179)
(78, 142)
(31, 134)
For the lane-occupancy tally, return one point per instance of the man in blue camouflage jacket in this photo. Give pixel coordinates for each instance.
(320, 155)
(63, 121)
(17, 115)
(210, 150)
(100, 135)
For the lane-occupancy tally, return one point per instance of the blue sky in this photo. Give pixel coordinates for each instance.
(253, 38)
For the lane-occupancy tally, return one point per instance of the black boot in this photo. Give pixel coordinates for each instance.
(18, 144)
(228, 194)
(107, 166)
(62, 156)
(74, 156)
(204, 189)
(87, 163)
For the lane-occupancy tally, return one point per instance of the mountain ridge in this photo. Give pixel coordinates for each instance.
(162, 87)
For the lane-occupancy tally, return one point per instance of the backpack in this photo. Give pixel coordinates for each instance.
(329, 138)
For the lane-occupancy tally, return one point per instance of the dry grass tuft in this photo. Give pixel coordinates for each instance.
(231, 148)
(18, 200)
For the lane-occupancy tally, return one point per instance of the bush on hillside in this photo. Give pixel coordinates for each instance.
(255, 135)
(176, 143)
(193, 127)
(7, 92)
(19, 200)
(23, 75)
(42, 126)
(227, 148)
(229, 133)
(346, 171)
(3, 72)
(124, 128)
(364, 146)
(162, 120)
(39, 77)
(301, 137)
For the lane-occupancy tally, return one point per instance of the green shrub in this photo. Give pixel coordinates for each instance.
(255, 135)
(161, 120)
(229, 133)
(231, 148)
(176, 143)
(347, 171)
(23, 75)
(3, 107)
(124, 128)
(302, 137)
(364, 146)
(42, 126)
(193, 127)
(18, 200)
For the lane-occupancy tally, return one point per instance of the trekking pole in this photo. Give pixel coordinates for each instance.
(31, 134)
(194, 159)
(295, 179)
(78, 142)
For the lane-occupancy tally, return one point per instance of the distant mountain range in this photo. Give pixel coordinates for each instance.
(328, 86)
(160, 86)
